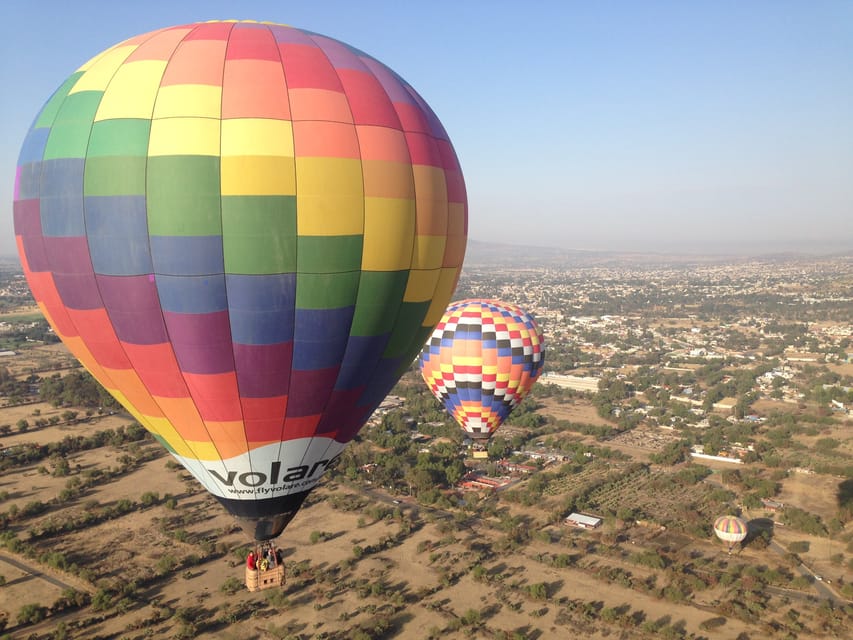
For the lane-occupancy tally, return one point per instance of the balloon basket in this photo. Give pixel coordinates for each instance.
(268, 572)
(258, 580)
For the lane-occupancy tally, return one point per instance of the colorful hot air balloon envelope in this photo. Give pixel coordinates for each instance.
(481, 361)
(731, 529)
(245, 232)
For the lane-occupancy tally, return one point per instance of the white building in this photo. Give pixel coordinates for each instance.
(583, 521)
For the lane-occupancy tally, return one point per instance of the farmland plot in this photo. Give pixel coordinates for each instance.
(660, 495)
(578, 483)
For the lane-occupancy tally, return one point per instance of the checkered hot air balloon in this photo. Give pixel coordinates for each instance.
(245, 232)
(731, 530)
(481, 361)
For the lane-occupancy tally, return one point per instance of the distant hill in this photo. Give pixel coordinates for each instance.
(481, 253)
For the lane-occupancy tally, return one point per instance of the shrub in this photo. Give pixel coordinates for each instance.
(166, 564)
(319, 536)
(32, 509)
(149, 498)
(798, 546)
(101, 600)
(538, 591)
(231, 586)
(242, 552)
(31, 614)
(471, 617)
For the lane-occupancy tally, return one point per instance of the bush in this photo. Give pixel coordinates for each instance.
(804, 521)
(231, 586)
(242, 552)
(471, 617)
(277, 599)
(799, 546)
(538, 591)
(32, 508)
(31, 614)
(479, 573)
(101, 600)
(166, 564)
(61, 632)
(319, 536)
(186, 631)
(149, 498)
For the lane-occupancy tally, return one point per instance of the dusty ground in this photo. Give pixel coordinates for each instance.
(50, 433)
(766, 406)
(185, 561)
(681, 323)
(417, 569)
(40, 358)
(817, 494)
(844, 369)
(580, 411)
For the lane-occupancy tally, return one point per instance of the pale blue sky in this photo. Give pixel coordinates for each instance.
(722, 126)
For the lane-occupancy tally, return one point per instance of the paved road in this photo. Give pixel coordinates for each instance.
(31, 570)
(822, 588)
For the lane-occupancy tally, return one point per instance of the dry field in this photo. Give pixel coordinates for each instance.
(767, 406)
(580, 411)
(839, 432)
(22, 310)
(681, 323)
(817, 494)
(845, 369)
(644, 438)
(51, 433)
(43, 357)
(413, 570)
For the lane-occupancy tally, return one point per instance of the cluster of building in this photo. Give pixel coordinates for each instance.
(575, 306)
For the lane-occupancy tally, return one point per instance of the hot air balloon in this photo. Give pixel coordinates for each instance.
(480, 362)
(730, 529)
(245, 232)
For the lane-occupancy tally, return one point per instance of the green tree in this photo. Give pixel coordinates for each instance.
(499, 447)
(31, 614)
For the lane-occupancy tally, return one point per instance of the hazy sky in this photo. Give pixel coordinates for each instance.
(636, 125)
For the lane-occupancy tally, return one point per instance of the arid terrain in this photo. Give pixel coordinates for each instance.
(385, 569)
(104, 536)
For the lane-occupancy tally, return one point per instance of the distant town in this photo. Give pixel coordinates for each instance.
(675, 391)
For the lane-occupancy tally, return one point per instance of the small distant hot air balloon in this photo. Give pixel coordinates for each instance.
(245, 232)
(731, 529)
(481, 361)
